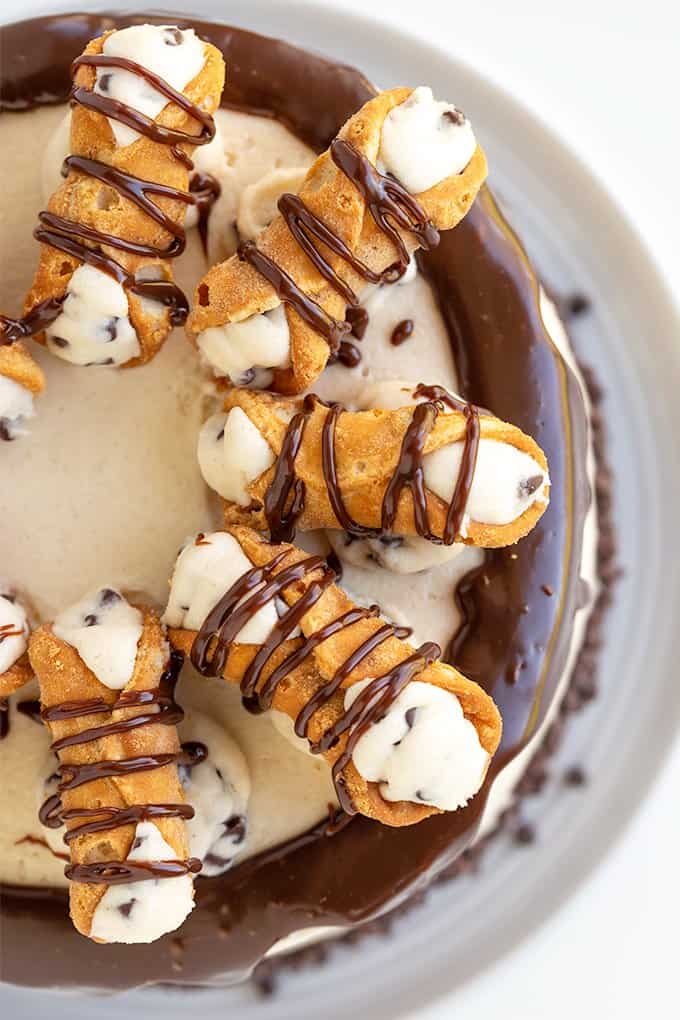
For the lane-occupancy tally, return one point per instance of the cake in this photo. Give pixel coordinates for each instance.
(142, 443)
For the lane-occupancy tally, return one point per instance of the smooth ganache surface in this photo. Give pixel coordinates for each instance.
(515, 638)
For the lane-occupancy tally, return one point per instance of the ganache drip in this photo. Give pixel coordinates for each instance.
(261, 586)
(71, 237)
(104, 818)
(284, 500)
(390, 206)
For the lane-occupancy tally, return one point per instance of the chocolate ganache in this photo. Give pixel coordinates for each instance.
(489, 297)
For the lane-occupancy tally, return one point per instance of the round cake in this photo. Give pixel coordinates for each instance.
(305, 390)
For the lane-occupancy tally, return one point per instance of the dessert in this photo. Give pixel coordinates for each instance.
(15, 670)
(279, 863)
(106, 690)
(20, 381)
(143, 99)
(353, 686)
(365, 206)
(443, 470)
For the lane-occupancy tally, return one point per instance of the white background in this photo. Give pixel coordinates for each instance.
(605, 74)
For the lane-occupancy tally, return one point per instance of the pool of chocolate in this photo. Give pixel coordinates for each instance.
(515, 638)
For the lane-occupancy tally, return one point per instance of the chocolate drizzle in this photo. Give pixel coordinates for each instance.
(102, 818)
(284, 500)
(37, 319)
(237, 606)
(85, 243)
(288, 291)
(390, 206)
(489, 298)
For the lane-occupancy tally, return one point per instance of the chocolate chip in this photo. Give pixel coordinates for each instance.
(58, 341)
(236, 828)
(108, 597)
(91, 620)
(126, 908)
(528, 486)
(220, 435)
(525, 835)
(454, 116)
(5, 430)
(410, 716)
(172, 37)
(138, 841)
(112, 329)
(578, 304)
(574, 776)
(104, 82)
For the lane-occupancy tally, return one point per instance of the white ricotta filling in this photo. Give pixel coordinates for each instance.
(506, 480)
(143, 911)
(424, 141)
(232, 452)
(259, 342)
(13, 629)
(400, 554)
(218, 789)
(423, 750)
(16, 405)
(205, 570)
(175, 55)
(105, 631)
(93, 327)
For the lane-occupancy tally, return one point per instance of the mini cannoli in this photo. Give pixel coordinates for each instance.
(142, 101)
(21, 380)
(106, 689)
(403, 168)
(440, 470)
(406, 735)
(15, 669)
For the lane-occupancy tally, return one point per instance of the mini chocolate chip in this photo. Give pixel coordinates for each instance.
(410, 716)
(219, 774)
(104, 82)
(525, 834)
(454, 116)
(575, 776)
(246, 377)
(5, 430)
(108, 597)
(112, 329)
(173, 37)
(138, 841)
(528, 486)
(126, 908)
(58, 341)
(91, 620)
(236, 827)
(220, 435)
(578, 304)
